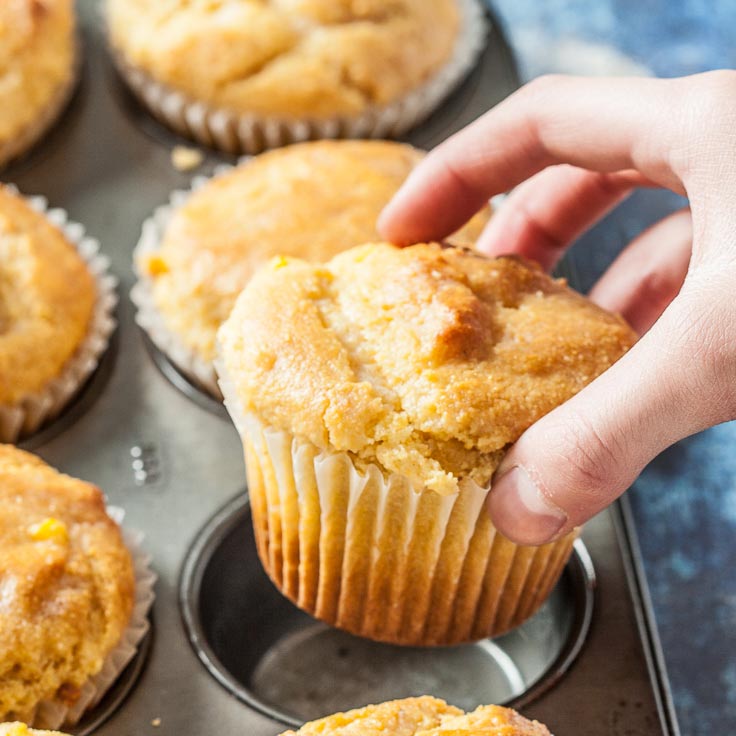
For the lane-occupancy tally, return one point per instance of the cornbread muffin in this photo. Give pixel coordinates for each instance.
(292, 70)
(310, 200)
(47, 296)
(297, 58)
(376, 395)
(424, 716)
(20, 729)
(67, 584)
(57, 300)
(37, 69)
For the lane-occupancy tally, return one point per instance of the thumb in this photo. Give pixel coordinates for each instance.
(580, 457)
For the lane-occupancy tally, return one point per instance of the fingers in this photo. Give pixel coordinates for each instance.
(542, 216)
(648, 274)
(580, 457)
(605, 125)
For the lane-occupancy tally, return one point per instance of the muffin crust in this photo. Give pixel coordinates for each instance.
(290, 58)
(426, 361)
(311, 200)
(47, 296)
(20, 729)
(66, 583)
(395, 718)
(423, 716)
(36, 61)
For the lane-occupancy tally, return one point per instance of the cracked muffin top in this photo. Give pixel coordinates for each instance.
(423, 716)
(47, 297)
(310, 200)
(428, 361)
(287, 58)
(66, 583)
(36, 60)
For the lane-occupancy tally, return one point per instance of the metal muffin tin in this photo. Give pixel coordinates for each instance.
(284, 664)
(228, 654)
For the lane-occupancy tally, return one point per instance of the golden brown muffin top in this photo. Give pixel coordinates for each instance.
(20, 729)
(36, 59)
(487, 720)
(47, 296)
(66, 582)
(289, 58)
(423, 716)
(427, 361)
(310, 200)
(395, 718)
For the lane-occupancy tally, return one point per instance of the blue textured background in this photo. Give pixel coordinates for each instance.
(685, 501)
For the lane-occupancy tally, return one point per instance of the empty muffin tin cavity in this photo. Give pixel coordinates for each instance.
(275, 658)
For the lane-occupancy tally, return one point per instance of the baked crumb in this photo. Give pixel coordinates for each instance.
(184, 158)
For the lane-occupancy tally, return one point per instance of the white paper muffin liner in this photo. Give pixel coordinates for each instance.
(240, 133)
(367, 553)
(33, 411)
(148, 317)
(31, 134)
(53, 714)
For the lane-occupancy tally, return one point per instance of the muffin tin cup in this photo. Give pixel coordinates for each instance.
(247, 133)
(197, 370)
(54, 714)
(33, 411)
(280, 662)
(31, 134)
(369, 554)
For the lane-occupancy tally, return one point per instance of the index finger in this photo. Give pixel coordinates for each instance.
(601, 124)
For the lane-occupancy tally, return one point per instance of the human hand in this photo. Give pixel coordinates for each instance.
(576, 147)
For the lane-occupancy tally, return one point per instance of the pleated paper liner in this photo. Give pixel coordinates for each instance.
(35, 410)
(371, 555)
(55, 713)
(247, 133)
(149, 318)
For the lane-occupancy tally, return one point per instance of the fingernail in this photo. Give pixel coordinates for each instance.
(521, 511)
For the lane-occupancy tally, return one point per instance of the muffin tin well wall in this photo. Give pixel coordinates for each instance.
(171, 462)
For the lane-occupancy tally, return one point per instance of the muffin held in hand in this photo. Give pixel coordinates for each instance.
(423, 716)
(376, 395)
(37, 69)
(311, 200)
(68, 589)
(247, 75)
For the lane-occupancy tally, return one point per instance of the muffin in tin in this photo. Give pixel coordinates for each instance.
(310, 200)
(69, 590)
(56, 304)
(376, 395)
(38, 69)
(21, 729)
(245, 75)
(422, 716)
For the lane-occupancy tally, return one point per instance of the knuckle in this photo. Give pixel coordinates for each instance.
(705, 344)
(589, 457)
(710, 100)
(717, 89)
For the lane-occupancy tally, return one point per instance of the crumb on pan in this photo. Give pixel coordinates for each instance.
(184, 158)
